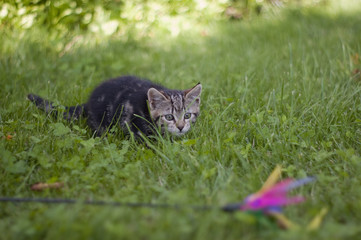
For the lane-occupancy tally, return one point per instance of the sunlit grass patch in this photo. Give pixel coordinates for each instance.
(279, 89)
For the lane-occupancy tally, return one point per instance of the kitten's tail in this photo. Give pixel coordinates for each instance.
(70, 113)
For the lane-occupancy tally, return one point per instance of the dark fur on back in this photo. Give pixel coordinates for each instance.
(118, 101)
(123, 101)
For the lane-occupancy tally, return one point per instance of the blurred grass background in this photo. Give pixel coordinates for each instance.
(281, 86)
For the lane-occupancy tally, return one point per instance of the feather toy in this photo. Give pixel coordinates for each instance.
(270, 199)
(272, 196)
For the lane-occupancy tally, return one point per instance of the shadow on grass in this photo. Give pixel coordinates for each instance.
(302, 51)
(230, 58)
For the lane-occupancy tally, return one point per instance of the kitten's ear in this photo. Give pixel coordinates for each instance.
(193, 93)
(156, 98)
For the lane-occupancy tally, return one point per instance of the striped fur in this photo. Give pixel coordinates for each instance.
(134, 104)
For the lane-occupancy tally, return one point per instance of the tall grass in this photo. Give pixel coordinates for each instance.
(277, 90)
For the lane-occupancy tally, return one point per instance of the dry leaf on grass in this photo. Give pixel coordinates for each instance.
(43, 186)
(9, 137)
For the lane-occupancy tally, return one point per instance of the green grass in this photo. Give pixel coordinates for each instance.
(278, 89)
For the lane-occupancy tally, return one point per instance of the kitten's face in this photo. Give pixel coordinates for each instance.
(175, 111)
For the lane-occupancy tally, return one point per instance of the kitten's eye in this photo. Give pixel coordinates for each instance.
(169, 117)
(187, 115)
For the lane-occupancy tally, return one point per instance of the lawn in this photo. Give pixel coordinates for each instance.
(281, 88)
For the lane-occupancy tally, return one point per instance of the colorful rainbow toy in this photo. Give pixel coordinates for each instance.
(270, 199)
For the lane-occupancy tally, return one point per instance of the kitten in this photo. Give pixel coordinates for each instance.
(134, 104)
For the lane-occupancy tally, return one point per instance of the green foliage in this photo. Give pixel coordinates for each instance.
(109, 16)
(281, 89)
(63, 14)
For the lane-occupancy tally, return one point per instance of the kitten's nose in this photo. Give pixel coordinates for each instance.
(180, 128)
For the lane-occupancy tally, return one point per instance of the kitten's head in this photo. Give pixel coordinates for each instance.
(175, 110)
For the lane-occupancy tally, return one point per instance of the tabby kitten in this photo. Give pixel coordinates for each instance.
(134, 104)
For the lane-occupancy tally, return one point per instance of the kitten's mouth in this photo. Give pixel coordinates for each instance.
(178, 134)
